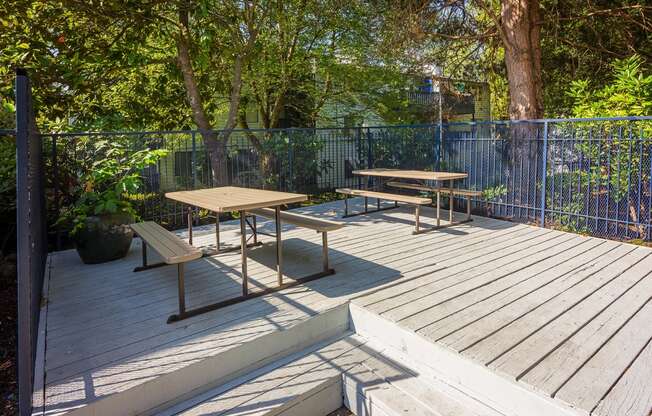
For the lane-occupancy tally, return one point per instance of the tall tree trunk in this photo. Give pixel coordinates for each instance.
(216, 147)
(520, 31)
(521, 35)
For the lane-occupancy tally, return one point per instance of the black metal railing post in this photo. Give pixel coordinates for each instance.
(544, 170)
(31, 242)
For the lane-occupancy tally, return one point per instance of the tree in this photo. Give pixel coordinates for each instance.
(520, 32)
(242, 22)
(580, 40)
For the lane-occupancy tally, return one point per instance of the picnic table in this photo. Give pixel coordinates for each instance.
(242, 200)
(419, 181)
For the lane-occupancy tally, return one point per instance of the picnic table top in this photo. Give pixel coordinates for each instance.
(412, 174)
(233, 198)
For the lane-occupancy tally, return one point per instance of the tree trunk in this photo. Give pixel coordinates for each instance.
(216, 147)
(521, 35)
(520, 32)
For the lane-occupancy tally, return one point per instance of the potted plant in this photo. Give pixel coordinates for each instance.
(101, 215)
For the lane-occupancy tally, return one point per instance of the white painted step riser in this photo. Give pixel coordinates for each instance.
(164, 391)
(378, 402)
(469, 377)
(321, 401)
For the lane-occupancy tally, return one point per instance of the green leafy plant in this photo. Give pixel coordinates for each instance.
(106, 187)
(493, 194)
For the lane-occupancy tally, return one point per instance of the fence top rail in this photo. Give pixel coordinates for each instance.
(312, 129)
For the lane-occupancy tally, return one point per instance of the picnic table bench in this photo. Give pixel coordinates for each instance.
(322, 226)
(412, 200)
(467, 193)
(171, 249)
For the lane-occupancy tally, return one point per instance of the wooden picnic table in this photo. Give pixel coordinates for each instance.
(229, 199)
(421, 176)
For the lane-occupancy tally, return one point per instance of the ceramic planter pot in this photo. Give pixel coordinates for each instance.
(104, 238)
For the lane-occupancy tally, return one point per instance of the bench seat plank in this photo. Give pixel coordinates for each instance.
(415, 200)
(300, 220)
(171, 248)
(417, 187)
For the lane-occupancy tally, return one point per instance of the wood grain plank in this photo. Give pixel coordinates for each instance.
(632, 394)
(473, 333)
(552, 281)
(546, 339)
(411, 174)
(595, 379)
(558, 366)
(511, 335)
(547, 269)
(385, 195)
(503, 266)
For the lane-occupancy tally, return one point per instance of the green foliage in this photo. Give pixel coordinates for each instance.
(614, 156)
(7, 115)
(297, 157)
(7, 177)
(494, 193)
(106, 187)
(397, 147)
(580, 39)
(629, 93)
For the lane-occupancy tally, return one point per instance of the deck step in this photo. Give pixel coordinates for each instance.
(381, 385)
(307, 380)
(349, 370)
(464, 376)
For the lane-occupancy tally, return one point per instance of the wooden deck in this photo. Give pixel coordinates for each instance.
(566, 316)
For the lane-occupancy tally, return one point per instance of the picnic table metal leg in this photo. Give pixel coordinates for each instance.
(182, 289)
(190, 225)
(144, 252)
(346, 205)
(416, 218)
(450, 201)
(366, 203)
(324, 244)
(243, 250)
(468, 208)
(217, 232)
(279, 245)
(438, 208)
(255, 230)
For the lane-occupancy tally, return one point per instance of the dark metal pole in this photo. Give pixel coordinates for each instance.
(438, 208)
(255, 229)
(182, 289)
(55, 175)
(26, 344)
(144, 252)
(190, 225)
(450, 201)
(544, 169)
(279, 245)
(324, 244)
(243, 250)
(217, 232)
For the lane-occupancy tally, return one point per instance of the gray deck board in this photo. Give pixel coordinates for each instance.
(566, 315)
